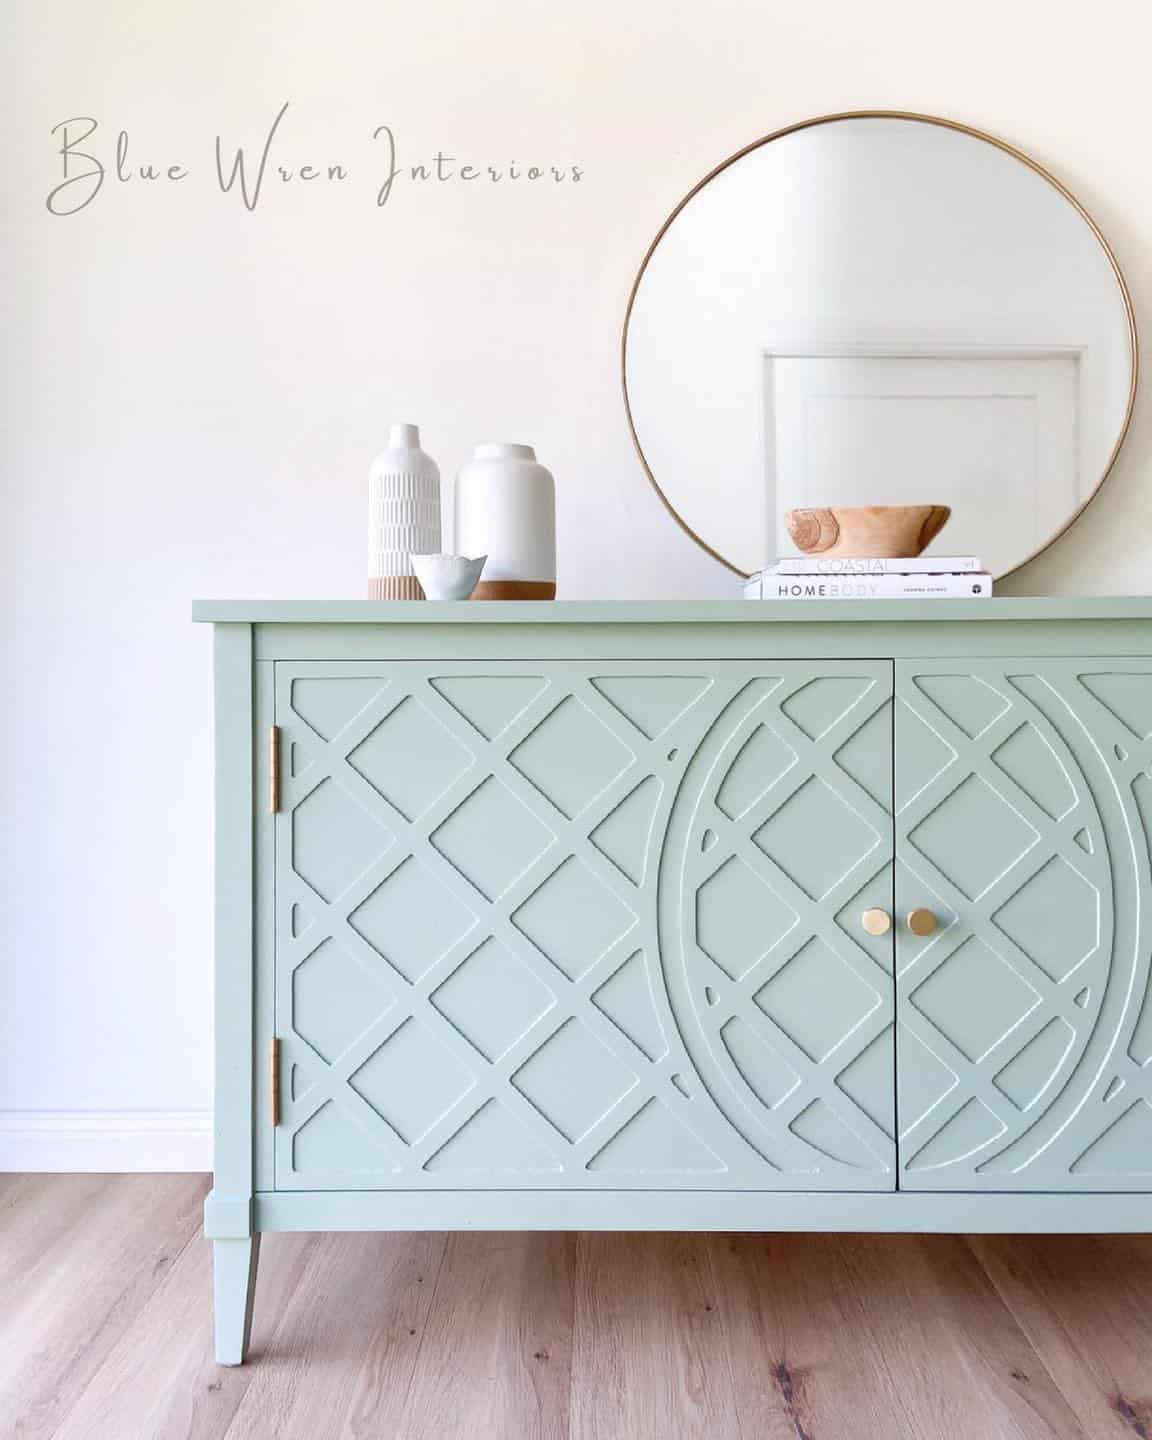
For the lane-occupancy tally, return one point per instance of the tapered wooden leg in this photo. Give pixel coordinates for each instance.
(234, 1269)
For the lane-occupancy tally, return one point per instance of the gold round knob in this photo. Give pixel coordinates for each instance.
(922, 922)
(876, 922)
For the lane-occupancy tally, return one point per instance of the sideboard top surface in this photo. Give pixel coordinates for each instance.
(669, 612)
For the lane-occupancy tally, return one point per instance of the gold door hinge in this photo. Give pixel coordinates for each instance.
(275, 1059)
(274, 768)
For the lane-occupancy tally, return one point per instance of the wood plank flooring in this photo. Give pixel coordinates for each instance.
(105, 1331)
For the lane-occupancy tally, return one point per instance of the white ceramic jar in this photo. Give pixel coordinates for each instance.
(403, 515)
(506, 509)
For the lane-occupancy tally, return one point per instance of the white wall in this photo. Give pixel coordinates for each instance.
(194, 393)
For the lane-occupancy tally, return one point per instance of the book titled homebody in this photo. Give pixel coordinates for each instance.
(974, 585)
(849, 565)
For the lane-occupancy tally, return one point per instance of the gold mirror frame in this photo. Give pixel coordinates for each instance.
(1133, 344)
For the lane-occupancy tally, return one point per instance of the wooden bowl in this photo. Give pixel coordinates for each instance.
(866, 532)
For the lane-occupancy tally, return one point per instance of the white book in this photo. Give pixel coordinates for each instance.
(846, 565)
(974, 585)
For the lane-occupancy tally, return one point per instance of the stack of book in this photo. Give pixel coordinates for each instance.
(926, 577)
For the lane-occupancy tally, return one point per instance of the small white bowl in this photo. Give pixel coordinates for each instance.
(447, 577)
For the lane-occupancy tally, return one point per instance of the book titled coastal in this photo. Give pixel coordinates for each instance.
(848, 565)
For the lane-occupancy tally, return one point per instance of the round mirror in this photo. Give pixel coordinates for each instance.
(879, 309)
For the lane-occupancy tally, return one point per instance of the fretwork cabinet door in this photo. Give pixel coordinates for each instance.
(1023, 814)
(556, 925)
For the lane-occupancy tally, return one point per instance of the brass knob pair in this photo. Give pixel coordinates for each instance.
(879, 922)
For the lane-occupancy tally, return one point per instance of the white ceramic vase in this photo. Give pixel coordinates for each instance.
(403, 515)
(506, 509)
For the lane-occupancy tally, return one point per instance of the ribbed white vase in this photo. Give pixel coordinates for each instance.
(403, 515)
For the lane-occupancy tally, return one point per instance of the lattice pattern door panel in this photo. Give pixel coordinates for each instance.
(568, 925)
(1024, 816)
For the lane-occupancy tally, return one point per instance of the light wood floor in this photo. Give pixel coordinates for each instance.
(105, 1331)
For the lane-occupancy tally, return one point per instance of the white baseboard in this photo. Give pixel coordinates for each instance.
(91, 1140)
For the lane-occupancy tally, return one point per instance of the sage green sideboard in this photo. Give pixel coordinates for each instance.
(552, 916)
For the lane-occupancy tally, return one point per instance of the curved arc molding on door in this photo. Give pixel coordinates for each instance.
(1036, 1148)
(1022, 1130)
(1124, 939)
(703, 840)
